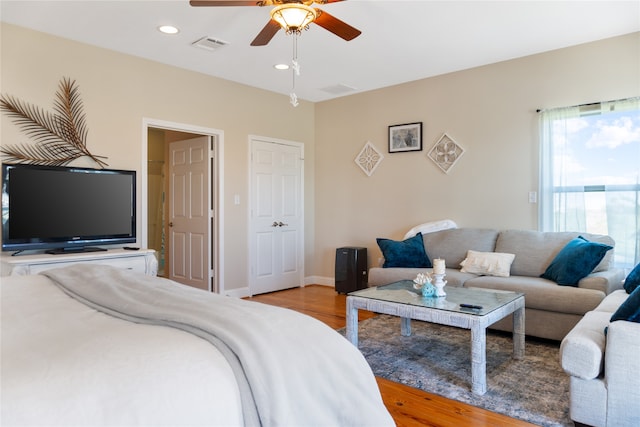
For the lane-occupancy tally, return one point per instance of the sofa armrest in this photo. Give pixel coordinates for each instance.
(582, 350)
(605, 281)
(622, 373)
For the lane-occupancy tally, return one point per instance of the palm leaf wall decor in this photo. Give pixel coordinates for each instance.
(60, 137)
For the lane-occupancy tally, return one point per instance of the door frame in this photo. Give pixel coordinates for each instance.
(251, 250)
(217, 175)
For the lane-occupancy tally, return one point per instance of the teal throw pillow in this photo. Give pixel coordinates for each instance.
(575, 261)
(632, 281)
(408, 253)
(630, 309)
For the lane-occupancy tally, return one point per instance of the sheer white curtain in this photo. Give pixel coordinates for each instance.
(590, 173)
(555, 128)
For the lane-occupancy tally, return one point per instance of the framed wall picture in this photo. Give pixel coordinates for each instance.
(407, 137)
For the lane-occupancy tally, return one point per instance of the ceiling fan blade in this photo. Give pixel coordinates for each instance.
(336, 26)
(266, 34)
(197, 3)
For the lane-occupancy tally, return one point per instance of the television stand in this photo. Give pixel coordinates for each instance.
(143, 261)
(82, 249)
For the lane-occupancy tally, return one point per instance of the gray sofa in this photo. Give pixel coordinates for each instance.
(551, 310)
(604, 369)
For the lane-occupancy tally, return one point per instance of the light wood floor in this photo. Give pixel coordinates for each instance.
(407, 405)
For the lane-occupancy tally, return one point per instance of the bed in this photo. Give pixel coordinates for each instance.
(96, 345)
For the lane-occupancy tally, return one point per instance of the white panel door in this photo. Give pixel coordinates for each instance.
(277, 238)
(189, 212)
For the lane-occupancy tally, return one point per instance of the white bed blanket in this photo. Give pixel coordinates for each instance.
(66, 364)
(299, 372)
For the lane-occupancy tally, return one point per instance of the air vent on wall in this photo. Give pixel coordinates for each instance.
(209, 43)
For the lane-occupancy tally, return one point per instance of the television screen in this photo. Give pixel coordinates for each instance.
(66, 208)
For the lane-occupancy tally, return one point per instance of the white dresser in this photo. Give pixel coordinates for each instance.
(143, 261)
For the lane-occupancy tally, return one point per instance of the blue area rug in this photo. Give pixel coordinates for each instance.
(437, 359)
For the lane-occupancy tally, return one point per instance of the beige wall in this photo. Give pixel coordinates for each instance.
(118, 91)
(490, 111)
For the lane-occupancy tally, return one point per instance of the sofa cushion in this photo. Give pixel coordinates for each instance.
(633, 280)
(622, 366)
(487, 263)
(458, 278)
(630, 309)
(607, 262)
(543, 294)
(407, 253)
(535, 250)
(611, 303)
(575, 261)
(452, 245)
(582, 350)
(383, 276)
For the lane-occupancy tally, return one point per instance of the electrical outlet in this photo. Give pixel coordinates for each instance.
(533, 197)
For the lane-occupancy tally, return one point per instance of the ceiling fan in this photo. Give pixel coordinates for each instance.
(291, 15)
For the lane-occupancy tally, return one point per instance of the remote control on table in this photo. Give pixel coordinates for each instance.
(476, 307)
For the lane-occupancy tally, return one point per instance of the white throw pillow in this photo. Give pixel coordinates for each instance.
(487, 263)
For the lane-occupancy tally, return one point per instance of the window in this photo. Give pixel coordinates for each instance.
(590, 173)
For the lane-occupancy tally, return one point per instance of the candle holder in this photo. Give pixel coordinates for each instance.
(439, 283)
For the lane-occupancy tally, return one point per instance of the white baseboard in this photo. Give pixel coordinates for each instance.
(311, 280)
(238, 293)
(319, 280)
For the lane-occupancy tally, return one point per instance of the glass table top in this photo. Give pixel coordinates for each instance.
(404, 292)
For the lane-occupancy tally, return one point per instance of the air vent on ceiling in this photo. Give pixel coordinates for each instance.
(338, 89)
(209, 43)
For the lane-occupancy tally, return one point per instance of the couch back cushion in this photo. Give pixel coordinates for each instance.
(452, 245)
(534, 250)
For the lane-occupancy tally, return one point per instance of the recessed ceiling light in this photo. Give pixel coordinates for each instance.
(281, 67)
(168, 29)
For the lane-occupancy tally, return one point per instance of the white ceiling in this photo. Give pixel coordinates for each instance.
(401, 40)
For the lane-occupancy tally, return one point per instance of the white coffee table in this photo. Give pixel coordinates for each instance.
(402, 300)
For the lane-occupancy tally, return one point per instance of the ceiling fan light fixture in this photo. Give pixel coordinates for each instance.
(293, 17)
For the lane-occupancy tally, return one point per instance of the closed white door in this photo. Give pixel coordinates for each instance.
(277, 220)
(188, 228)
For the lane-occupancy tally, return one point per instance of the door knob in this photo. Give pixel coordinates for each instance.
(171, 224)
(275, 224)
(281, 224)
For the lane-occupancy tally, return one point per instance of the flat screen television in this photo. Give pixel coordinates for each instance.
(66, 209)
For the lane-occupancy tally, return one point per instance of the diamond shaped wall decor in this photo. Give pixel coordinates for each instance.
(445, 153)
(369, 158)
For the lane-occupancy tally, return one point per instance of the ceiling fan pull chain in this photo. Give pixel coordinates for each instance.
(296, 65)
(293, 98)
